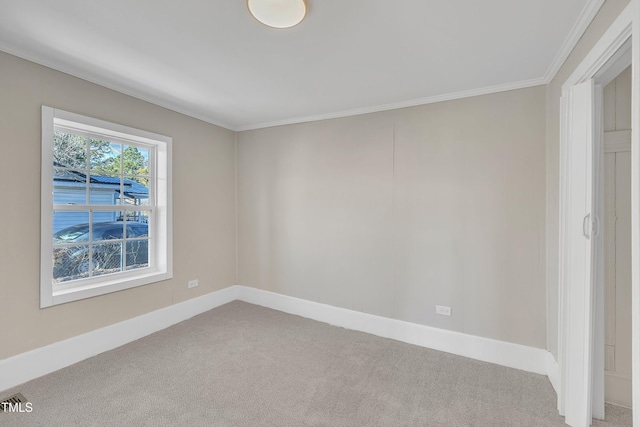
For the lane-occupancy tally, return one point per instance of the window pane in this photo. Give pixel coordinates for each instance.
(104, 188)
(107, 226)
(137, 254)
(69, 187)
(140, 217)
(70, 227)
(136, 191)
(70, 263)
(109, 178)
(69, 150)
(136, 175)
(135, 161)
(105, 156)
(107, 258)
(136, 230)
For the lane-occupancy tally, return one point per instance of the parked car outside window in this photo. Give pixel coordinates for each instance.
(113, 247)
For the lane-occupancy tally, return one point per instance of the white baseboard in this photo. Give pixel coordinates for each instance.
(553, 372)
(489, 350)
(41, 361)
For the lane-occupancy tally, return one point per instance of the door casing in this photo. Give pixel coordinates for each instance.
(619, 47)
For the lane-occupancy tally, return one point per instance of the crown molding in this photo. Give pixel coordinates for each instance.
(63, 68)
(585, 18)
(587, 15)
(404, 104)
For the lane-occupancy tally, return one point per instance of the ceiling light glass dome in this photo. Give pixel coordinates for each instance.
(278, 13)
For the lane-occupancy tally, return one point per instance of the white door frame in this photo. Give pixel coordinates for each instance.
(635, 215)
(605, 61)
(579, 215)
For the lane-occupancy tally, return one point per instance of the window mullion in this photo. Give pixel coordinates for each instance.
(88, 170)
(64, 281)
(123, 251)
(121, 176)
(153, 176)
(90, 268)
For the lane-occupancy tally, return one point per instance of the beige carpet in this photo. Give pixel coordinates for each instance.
(244, 365)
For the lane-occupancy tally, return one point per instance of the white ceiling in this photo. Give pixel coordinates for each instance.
(210, 59)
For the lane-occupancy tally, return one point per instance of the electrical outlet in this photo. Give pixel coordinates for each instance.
(443, 310)
(192, 283)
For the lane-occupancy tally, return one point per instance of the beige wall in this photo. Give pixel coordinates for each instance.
(607, 14)
(387, 213)
(392, 213)
(203, 194)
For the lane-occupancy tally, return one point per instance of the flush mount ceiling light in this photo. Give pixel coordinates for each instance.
(278, 13)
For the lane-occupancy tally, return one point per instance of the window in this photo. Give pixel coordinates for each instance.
(106, 207)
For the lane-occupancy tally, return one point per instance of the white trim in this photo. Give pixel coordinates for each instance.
(41, 361)
(97, 127)
(56, 65)
(589, 12)
(635, 216)
(597, 399)
(575, 347)
(584, 20)
(27, 366)
(616, 64)
(587, 15)
(618, 375)
(403, 104)
(160, 256)
(46, 199)
(562, 255)
(604, 55)
(503, 353)
(92, 78)
(553, 372)
(617, 141)
(605, 49)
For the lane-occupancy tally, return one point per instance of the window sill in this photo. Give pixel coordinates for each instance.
(104, 287)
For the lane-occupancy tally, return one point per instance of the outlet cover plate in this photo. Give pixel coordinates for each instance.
(192, 283)
(443, 310)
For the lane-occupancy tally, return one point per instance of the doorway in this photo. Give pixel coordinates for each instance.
(617, 239)
(581, 317)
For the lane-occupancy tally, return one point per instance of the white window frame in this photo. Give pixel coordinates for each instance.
(160, 230)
